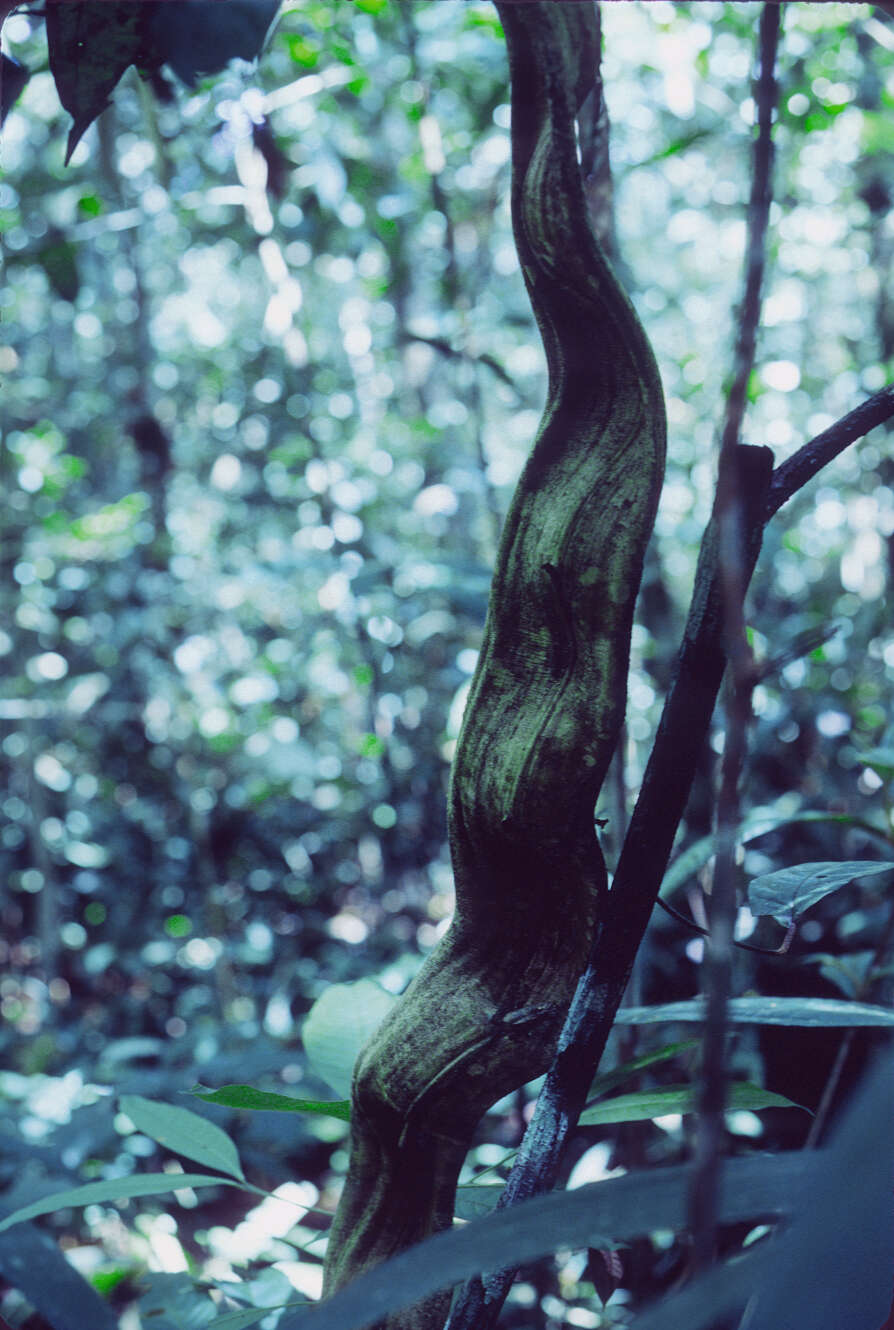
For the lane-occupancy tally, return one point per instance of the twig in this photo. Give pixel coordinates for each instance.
(706, 932)
(448, 349)
(718, 964)
(794, 473)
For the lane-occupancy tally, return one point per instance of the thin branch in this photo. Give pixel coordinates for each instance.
(448, 349)
(793, 474)
(718, 962)
(706, 932)
(765, 95)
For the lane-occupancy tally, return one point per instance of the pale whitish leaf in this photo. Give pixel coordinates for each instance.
(643, 1104)
(114, 1189)
(765, 1011)
(184, 1132)
(790, 891)
(339, 1024)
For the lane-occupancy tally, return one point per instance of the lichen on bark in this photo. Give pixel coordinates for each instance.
(545, 705)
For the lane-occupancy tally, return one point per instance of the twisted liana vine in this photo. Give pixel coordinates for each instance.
(545, 705)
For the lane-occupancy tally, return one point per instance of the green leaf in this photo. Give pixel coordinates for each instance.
(339, 1024)
(645, 1104)
(89, 205)
(184, 1132)
(609, 1079)
(880, 759)
(301, 51)
(760, 821)
(114, 1189)
(611, 1211)
(790, 891)
(685, 865)
(876, 133)
(813, 1012)
(371, 746)
(178, 925)
(246, 1096)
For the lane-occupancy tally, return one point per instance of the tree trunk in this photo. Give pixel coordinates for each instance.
(546, 703)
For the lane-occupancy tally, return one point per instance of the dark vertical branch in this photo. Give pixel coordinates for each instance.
(765, 96)
(717, 973)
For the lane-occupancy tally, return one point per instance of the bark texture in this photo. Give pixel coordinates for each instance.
(546, 702)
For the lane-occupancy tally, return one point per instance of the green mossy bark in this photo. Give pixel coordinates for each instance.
(545, 706)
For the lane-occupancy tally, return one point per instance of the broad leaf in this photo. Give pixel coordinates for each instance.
(114, 1189)
(788, 892)
(201, 36)
(339, 1024)
(610, 1211)
(31, 1262)
(246, 1096)
(90, 46)
(765, 1011)
(184, 1132)
(676, 1099)
(830, 1268)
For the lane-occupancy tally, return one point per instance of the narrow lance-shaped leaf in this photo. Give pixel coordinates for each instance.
(603, 1212)
(644, 1104)
(184, 1132)
(607, 1080)
(114, 1189)
(247, 1097)
(766, 1011)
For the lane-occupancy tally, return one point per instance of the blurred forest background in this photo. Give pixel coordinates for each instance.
(269, 376)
